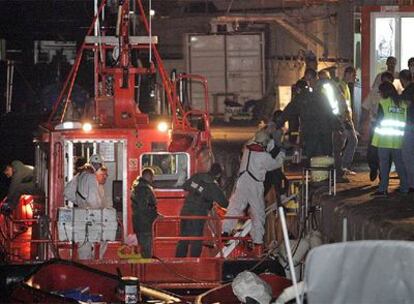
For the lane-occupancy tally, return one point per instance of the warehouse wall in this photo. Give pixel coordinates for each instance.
(285, 53)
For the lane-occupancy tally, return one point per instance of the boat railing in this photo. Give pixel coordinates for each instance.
(38, 241)
(35, 237)
(28, 239)
(213, 239)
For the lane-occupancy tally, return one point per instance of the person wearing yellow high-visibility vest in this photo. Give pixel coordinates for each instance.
(369, 117)
(388, 136)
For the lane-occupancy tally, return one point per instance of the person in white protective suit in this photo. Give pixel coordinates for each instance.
(249, 191)
(86, 189)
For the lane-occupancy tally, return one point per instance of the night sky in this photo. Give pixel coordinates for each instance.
(21, 23)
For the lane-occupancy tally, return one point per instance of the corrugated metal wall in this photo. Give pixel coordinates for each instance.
(232, 63)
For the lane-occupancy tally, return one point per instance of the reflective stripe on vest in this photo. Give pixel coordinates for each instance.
(329, 92)
(390, 131)
(390, 127)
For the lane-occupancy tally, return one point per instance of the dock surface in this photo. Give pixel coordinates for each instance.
(355, 214)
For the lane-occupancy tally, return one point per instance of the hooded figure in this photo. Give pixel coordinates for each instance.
(86, 189)
(249, 189)
(22, 182)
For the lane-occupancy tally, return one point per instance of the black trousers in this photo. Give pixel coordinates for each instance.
(142, 220)
(278, 180)
(372, 153)
(317, 144)
(145, 241)
(190, 228)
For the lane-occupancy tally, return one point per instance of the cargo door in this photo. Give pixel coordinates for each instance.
(233, 65)
(245, 65)
(206, 57)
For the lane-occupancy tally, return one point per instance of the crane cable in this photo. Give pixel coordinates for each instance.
(150, 31)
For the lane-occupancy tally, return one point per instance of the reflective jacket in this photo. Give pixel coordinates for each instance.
(314, 111)
(389, 130)
(330, 91)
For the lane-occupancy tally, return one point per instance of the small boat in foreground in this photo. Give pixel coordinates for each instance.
(224, 294)
(62, 281)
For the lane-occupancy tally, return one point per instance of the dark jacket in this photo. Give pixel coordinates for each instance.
(203, 191)
(319, 114)
(313, 110)
(408, 96)
(144, 205)
(22, 182)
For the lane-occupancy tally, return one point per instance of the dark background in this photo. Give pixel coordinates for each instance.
(24, 21)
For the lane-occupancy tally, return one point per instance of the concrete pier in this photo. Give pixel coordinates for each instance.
(354, 214)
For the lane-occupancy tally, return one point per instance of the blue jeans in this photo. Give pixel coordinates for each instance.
(408, 155)
(345, 143)
(385, 154)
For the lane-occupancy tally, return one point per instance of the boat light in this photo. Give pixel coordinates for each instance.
(162, 126)
(68, 125)
(87, 127)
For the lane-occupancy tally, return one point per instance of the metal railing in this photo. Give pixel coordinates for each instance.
(29, 246)
(214, 225)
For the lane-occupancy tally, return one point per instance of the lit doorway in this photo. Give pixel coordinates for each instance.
(392, 36)
(386, 31)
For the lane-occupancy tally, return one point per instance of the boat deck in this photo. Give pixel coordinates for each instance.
(354, 214)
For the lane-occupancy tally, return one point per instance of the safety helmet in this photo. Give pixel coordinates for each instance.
(96, 159)
(262, 137)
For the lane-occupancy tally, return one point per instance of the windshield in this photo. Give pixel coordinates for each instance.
(171, 170)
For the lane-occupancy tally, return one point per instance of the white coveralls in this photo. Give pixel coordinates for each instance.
(250, 191)
(85, 191)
